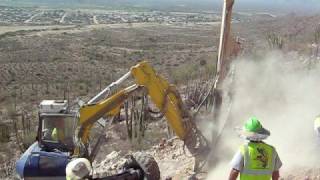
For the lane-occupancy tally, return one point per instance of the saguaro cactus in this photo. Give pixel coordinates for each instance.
(317, 39)
(275, 41)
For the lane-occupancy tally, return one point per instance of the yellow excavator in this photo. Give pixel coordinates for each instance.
(164, 96)
(63, 133)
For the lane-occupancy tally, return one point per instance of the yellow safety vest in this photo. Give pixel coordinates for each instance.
(57, 134)
(259, 161)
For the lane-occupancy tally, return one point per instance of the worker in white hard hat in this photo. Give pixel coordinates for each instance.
(78, 169)
(255, 160)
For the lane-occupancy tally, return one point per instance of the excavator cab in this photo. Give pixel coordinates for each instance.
(56, 131)
(56, 126)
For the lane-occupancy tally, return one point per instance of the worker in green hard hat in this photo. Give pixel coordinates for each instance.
(255, 160)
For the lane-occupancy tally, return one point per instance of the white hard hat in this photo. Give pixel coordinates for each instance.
(317, 126)
(78, 169)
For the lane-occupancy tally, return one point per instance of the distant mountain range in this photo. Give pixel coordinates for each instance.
(275, 5)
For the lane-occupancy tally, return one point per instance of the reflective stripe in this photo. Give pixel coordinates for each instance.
(257, 172)
(45, 178)
(247, 162)
(254, 177)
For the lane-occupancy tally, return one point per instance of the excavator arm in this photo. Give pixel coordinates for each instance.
(90, 113)
(163, 95)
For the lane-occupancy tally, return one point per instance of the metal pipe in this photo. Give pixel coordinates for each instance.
(106, 90)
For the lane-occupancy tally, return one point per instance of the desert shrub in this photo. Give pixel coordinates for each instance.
(7, 170)
(28, 139)
(317, 34)
(186, 72)
(210, 69)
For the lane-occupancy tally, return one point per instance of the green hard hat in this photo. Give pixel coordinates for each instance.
(253, 125)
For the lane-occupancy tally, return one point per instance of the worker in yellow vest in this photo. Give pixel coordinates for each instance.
(58, 133)
(255, 160)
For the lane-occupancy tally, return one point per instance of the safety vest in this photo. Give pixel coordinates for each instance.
(259, 160)
(57, 134)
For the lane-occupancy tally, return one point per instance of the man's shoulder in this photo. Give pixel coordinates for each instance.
(271, 146)
(246, 144)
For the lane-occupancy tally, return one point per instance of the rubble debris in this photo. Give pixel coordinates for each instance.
(112, 164)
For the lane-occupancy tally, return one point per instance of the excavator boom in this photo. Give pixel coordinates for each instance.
(164, 96)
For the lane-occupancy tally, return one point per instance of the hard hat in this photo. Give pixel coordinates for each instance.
(252, 125)
(253, 130)
(78, 169)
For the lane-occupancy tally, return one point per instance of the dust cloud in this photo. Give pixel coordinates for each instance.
(284, 93)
